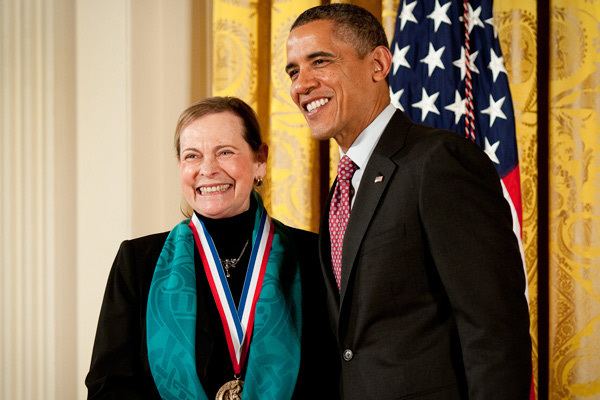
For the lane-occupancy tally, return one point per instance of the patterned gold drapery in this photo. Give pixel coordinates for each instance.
(516, 22)
(235, 50)
(574, 200)
(248, 61)
(294, 155)
(249, 45)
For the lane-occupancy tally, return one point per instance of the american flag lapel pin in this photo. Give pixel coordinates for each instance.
(378, 179)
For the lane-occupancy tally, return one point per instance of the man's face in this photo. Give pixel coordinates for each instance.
(330, 84)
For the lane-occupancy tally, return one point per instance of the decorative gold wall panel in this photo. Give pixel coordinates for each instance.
(244, 58)
(235, 49)
(516, 22)
(574, 220)
(389, 13)
(294, 155)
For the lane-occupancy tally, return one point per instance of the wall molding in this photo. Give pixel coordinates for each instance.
(31, 122)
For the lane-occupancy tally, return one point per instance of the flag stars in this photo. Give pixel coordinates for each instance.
(406, 15)
(490, 150)
(495, 110)
(437, 65)
(427, 104)
(395, 98)
(461, 63)
(459, 107)
(474, 18)
(434, 59)
(496, 64)
(490, 21)
(399, 58)
(439, 15)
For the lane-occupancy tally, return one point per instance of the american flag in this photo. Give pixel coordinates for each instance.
(432, 74)
(448, 72)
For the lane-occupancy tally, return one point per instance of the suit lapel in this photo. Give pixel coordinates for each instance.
(368, 196)
(370, 192)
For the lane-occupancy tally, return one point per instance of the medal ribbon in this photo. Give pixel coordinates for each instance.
(238, 323)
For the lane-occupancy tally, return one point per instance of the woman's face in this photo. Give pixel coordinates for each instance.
(217, 166)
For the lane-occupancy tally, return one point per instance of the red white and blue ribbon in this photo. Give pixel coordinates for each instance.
(238, 322)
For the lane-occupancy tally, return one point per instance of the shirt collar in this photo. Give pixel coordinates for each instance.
(361, 149)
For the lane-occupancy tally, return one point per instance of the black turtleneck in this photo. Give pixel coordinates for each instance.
(229, 235)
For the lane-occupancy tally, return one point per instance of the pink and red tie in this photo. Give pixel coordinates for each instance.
(339, 212)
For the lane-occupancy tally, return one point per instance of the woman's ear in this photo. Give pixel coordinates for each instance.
(261, 156)
(263, 153)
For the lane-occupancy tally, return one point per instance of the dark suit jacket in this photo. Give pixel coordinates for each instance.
(432, 301)
(119, 367)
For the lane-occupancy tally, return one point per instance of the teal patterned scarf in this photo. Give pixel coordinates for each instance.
(274, 355)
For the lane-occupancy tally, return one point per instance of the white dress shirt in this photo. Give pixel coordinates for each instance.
(360, 151)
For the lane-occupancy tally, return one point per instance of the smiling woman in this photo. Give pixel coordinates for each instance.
(184, 314)
(218, 166)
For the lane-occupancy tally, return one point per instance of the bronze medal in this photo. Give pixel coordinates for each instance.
(231, 390)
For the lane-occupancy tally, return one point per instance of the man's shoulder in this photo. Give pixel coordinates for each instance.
(424, 133)
(426, 138)
(403, 129)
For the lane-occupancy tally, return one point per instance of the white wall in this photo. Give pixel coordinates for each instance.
(91, 91)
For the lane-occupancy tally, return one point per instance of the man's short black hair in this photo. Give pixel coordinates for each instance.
(354, 25)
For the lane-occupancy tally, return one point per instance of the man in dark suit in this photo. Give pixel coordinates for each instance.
(429, 302)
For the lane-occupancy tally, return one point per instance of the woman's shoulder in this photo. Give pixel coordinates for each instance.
(303, 245)
(140, 254)
(146, 242)
(296, 234)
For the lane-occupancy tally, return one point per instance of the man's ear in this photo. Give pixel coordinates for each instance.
(382, 62)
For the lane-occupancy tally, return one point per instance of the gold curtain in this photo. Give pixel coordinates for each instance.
(294, 155)
(235, 50)
(574, 200)
(248, 62)
(516, 22)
